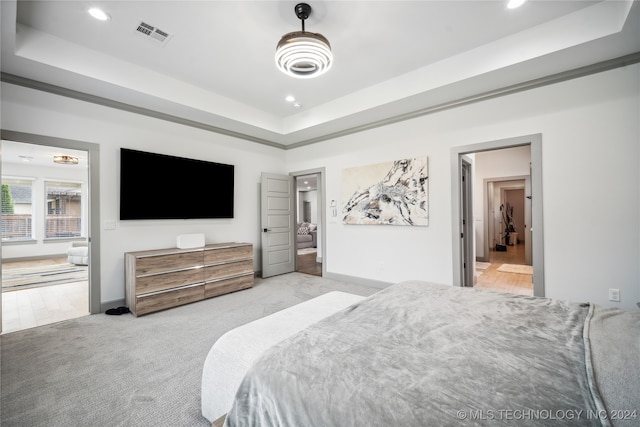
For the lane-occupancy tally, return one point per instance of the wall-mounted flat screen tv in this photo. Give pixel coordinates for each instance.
(158, 186)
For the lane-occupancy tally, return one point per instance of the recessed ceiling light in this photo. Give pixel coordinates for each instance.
(99, 14)
(297, 105)
(512, 4)
(26, 158)
(290, 98)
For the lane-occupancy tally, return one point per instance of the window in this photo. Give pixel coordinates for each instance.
(64, 209)
(17, 209)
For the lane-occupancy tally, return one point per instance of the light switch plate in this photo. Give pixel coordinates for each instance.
(614, 295)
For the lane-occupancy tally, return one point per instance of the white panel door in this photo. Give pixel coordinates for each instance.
(277, 218)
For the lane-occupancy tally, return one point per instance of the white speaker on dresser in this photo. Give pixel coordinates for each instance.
(188, 241)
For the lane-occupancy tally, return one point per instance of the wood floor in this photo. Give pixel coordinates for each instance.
(306, 263)
(492, 279)
(29, 308)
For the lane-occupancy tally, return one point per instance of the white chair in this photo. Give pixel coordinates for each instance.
(78, 253)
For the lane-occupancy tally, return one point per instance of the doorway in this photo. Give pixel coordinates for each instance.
(308, 230)
(44, 232)
(293, 223)
(501, 252)
(504, 262)
(49, 230)
(507, 211)
(309, 222)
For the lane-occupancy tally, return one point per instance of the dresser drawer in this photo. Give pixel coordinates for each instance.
(163, 300)
(158, 279)
(163, 263)
(220, 287)
(213, 272)
(160, 282)
(217, 256)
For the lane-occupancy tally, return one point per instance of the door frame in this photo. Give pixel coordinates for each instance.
(322, 200)
(466, 222)
(93, 227)
(537, 231)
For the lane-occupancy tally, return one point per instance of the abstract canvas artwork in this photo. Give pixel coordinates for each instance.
(390, 193)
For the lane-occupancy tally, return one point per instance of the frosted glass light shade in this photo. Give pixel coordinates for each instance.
(304, 55)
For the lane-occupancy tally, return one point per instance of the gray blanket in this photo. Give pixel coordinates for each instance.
(419, 354)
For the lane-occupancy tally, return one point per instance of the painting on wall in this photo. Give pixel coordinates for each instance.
(390, 193)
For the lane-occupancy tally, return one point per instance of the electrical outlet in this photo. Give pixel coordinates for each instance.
(614, 295)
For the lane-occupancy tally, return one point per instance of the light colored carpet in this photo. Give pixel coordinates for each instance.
(482, 265)
(42, 275)
(516, 268)
(112, 371)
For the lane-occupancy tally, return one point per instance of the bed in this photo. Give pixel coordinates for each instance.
(418, 354)
(233, 353)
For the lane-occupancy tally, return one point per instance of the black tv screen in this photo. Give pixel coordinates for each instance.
(158, 186)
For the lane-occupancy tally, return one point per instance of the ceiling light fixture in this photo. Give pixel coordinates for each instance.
(302, 54)
(99, 14)
(65, 160)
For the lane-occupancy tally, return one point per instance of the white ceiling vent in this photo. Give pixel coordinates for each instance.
(153, 32)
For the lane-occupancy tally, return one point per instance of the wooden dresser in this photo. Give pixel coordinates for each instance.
(164, 278)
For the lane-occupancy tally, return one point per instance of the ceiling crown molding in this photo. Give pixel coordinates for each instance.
(507, 90)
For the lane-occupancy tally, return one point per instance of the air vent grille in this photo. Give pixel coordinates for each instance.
(153, 32)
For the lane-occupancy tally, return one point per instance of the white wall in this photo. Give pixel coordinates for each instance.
(590, 153)
(29, 111)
